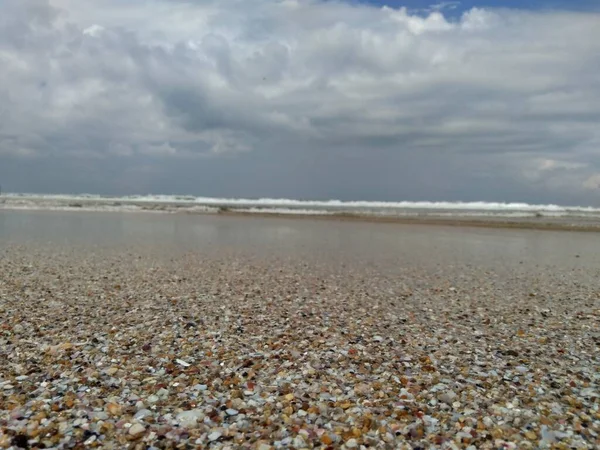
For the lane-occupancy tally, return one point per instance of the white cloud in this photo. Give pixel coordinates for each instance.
(552, 164)
(593, 182)
(174, 79)
(444, 5)
(93, 30)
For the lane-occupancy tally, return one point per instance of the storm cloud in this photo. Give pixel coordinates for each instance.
(303, 99)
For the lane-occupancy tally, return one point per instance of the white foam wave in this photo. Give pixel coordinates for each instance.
(48, 207)
(171, 203)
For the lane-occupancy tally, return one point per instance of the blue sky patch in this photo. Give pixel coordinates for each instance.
(452, 8)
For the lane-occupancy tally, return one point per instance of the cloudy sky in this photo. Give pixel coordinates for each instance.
(313, 99)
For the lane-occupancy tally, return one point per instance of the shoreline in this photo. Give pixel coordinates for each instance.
(430, 220)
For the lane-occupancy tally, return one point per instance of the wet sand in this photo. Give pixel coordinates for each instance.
(522, 223)
(150, 331)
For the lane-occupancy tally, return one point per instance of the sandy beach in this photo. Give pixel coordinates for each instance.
(151, 331)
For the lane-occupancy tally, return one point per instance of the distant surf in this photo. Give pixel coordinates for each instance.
(272, 206)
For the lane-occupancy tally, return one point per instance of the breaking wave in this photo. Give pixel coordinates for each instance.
(178, 203)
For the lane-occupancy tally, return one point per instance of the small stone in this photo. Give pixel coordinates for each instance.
(531, 435)
(137, 429)
(362, 388)
(114, 409)
(101, 415)
(232, 412)
(142, 414)
(299, 442)
(16, 414)
(8, 387)
(112, 371)
(448, 397)
(181, 362)
(162, 393)
(326, 439)
(20, 441)
(189, 419)
(214, 436)
(62, 427)
(351, 443)
(548, 436)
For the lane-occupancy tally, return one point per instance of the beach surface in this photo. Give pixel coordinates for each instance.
(140, 330)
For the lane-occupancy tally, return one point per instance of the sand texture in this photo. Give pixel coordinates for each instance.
(137, 348)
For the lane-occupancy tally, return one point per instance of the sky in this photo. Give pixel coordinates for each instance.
(494, 100)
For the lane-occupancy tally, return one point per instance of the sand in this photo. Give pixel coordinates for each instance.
(143, 346)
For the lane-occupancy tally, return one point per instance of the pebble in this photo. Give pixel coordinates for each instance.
(114, 409)
(136, 429)
(142, 414)
(162, 393)
(214, 436)
(298, 442)
(448, 397)
(188, 419)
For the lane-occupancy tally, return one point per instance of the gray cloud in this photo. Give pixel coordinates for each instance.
(301, 99)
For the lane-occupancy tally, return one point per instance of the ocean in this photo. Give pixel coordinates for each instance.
(486, 212)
